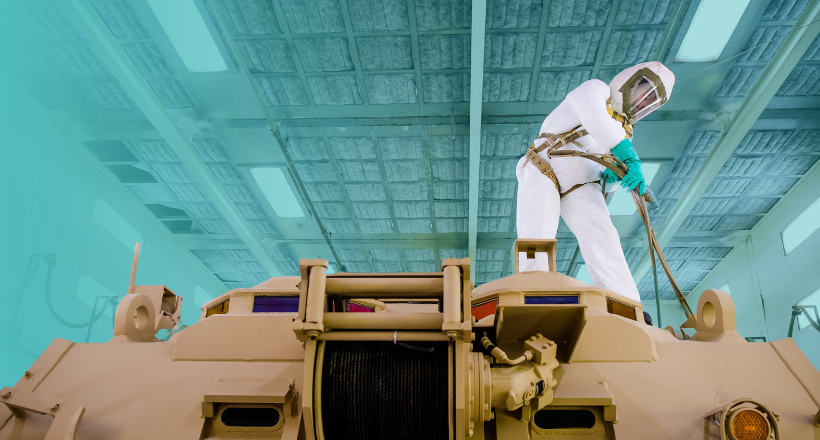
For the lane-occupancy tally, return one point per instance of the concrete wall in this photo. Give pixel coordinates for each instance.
(764, 281)
(48, 186)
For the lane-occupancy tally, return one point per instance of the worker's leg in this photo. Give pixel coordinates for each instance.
(586, 214)
(537, 212)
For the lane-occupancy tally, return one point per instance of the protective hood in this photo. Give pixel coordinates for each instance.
(641, 89)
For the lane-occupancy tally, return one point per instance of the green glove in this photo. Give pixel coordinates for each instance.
(610, 176)
(634, 177)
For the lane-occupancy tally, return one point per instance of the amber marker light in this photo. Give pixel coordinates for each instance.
(749, 424)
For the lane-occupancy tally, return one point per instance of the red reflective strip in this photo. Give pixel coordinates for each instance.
(357, 308)
(483, 310)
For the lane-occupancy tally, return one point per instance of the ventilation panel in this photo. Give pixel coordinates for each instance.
(287, 262)
(784, 9)
(450, 190)
(340, 226)
(378, 15)
(266, 56)
(371, 210)
(450, 169)
(644, 12)
(631, 46)
(391, 89)
(385, 53)
(513, 50)
(285, 90)
(762, 142)
(419, 255)
(554, 86)
(324, 54)
(504, 14)
(376, 226)
(335, 90)
(738, 222)
(565, 13)
(451, 209)
(506, 87)
(444, 51)
(404, 147)
(402, 171)
(447, 147)
(408, 191)
(739, 82)
(414, 226)
(352, 148)
(248, 17)
(802, 81)
(409, 210)
(443, 14)
(493, 224)
(316, 17)
(365, 192)
(446, 87)
(564, 49)
(451, 225)
(324, 192)
(509, 145)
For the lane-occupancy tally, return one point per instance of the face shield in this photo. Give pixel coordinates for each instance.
(643, 98)
(642, 94)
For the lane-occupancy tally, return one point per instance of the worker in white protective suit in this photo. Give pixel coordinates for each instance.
(593, 118)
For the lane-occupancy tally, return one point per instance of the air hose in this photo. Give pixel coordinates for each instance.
(51, 262)
(618, 167)
(499, 354)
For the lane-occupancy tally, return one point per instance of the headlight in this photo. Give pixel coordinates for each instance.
(749, 424)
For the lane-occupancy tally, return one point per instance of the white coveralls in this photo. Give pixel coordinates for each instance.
(584, 210)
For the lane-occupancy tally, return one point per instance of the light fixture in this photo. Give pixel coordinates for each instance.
(182, 22)
(116, 225)
(622, 203)
(582, 274)
(277, 190)
(801, 227)
(712, 26)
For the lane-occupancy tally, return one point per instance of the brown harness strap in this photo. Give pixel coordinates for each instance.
(574, 187)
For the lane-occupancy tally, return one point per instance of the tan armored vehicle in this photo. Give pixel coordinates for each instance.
(534, 355)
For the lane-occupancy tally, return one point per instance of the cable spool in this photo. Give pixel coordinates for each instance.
(372, 390)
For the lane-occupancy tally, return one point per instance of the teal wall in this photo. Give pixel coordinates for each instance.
(48, 187)
(671, 311)
(764, 281)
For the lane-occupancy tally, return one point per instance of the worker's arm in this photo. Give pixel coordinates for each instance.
(634, 177)
(589, 102)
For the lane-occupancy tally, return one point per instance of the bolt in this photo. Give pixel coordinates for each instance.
(27, 374)
(7, 395)
(546, 346)
(55, 407)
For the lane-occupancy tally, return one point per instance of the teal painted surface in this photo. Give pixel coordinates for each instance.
(51, 190)
(766, 282)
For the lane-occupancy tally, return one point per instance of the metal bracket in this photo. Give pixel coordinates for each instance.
(67, 415)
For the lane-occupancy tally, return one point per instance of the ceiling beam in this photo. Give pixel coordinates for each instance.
(86, 21)
(802, 34)
(476, 97)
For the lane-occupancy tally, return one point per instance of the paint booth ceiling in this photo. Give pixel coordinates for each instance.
(366, 103)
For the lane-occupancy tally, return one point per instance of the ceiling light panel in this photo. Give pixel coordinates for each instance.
(184, 26)
(710, 30)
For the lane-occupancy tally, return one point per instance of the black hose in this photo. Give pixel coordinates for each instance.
(51, 263)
